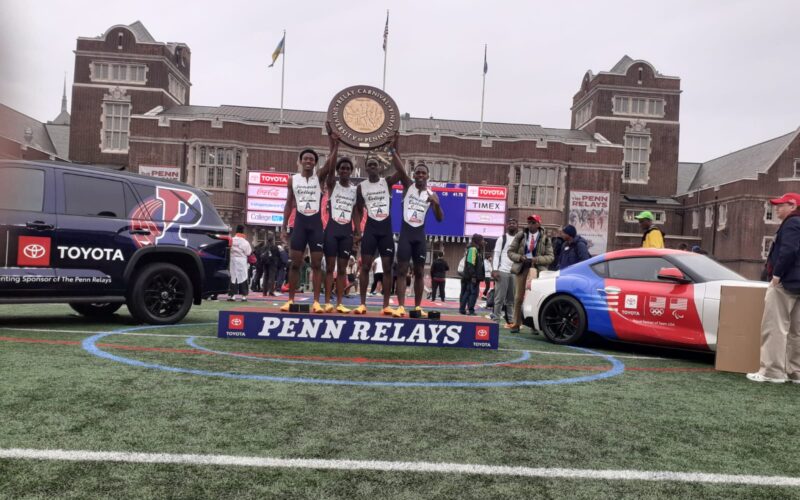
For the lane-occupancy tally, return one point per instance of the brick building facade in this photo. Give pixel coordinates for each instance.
(130, 107)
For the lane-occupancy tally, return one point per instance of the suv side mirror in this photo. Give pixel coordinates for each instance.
(673, 274)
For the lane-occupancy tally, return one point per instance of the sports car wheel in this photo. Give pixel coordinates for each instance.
(563, 320)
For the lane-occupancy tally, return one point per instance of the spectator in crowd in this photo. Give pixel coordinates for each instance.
(439, 270)
(240, 249)
(255, 283)
(780, 324)
(683, 246)
(532, 252)
(697, 249)
(472, 276)
(652, 237)
(283, 266)
(270, 261)
(352, 275)
(503, 279)
(377, 276)
(558, 242)
(575, 248)
(487, 278)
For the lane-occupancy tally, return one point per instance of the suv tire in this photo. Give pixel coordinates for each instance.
(162, 294)
(95, 310)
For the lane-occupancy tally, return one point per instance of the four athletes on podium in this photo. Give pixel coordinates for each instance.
(348, 205)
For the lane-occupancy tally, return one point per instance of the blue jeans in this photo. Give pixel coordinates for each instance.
(469, 294)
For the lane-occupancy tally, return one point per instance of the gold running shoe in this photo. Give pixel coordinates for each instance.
(388, 311)
(329, 308)
(342, 309)
(316, 308)
(399, 312)
(287, 305)
(362, 309)
(422, 314)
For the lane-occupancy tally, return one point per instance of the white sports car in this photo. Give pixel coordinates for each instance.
(648, 296)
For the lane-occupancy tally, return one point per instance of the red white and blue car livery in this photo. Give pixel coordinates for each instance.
(649, 296)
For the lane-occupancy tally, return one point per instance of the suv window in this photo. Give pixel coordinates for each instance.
(638, 268)
(21, 189)
(93, 196)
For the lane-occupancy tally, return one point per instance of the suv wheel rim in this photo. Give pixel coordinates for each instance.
(164, 294)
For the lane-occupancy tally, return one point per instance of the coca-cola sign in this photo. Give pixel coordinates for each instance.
(267, 192)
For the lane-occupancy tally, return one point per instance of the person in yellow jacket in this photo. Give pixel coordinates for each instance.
(652, 237)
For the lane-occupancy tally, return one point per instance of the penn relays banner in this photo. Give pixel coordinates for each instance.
(450, 331)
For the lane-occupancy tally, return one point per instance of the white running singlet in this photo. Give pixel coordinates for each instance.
(377, 196)
(307, 194)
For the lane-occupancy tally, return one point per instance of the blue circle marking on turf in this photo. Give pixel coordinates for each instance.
(90, 345)
(191, 341)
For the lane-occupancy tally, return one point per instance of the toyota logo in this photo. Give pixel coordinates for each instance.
(236, 322)
(34, 251)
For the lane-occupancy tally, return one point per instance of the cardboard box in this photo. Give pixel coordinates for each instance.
(739, 333)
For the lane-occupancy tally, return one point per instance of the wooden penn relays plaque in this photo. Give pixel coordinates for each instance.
(365, 117)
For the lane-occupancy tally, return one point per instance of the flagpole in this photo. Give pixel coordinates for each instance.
(385, 48)
(283, 72)
(483, 90)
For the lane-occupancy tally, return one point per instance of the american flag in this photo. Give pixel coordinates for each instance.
(386, 32)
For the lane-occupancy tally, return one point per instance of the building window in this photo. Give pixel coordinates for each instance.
(722, 217)
(177, 89)
(695, 219)
(583, 114)
(709, 219)
(637, 158)
(537, 186)
(638, 106)
(660, 216)
(118, 73)
(441, 171)
(796, 170)
(766, 244)
(219, 167)
(116, 127)
(770, 217)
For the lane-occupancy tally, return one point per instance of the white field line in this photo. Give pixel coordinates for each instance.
(425, 467)
(581, 354)
(46, 330)
(101, 331)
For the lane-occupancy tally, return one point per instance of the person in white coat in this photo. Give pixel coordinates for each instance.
(240, 250)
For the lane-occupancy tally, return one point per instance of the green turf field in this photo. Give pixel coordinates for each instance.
(188, 392)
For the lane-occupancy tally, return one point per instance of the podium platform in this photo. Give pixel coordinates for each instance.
(372, 328)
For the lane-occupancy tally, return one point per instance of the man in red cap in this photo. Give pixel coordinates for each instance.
(780, 325)
(531, 252)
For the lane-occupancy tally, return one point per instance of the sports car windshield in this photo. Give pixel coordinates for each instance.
(704, 269)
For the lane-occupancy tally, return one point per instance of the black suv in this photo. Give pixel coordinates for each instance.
(97, 239)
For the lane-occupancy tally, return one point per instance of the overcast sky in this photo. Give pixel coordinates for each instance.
(737, 59)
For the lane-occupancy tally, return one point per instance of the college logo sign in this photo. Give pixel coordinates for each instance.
(33, 251)
(452, 331)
